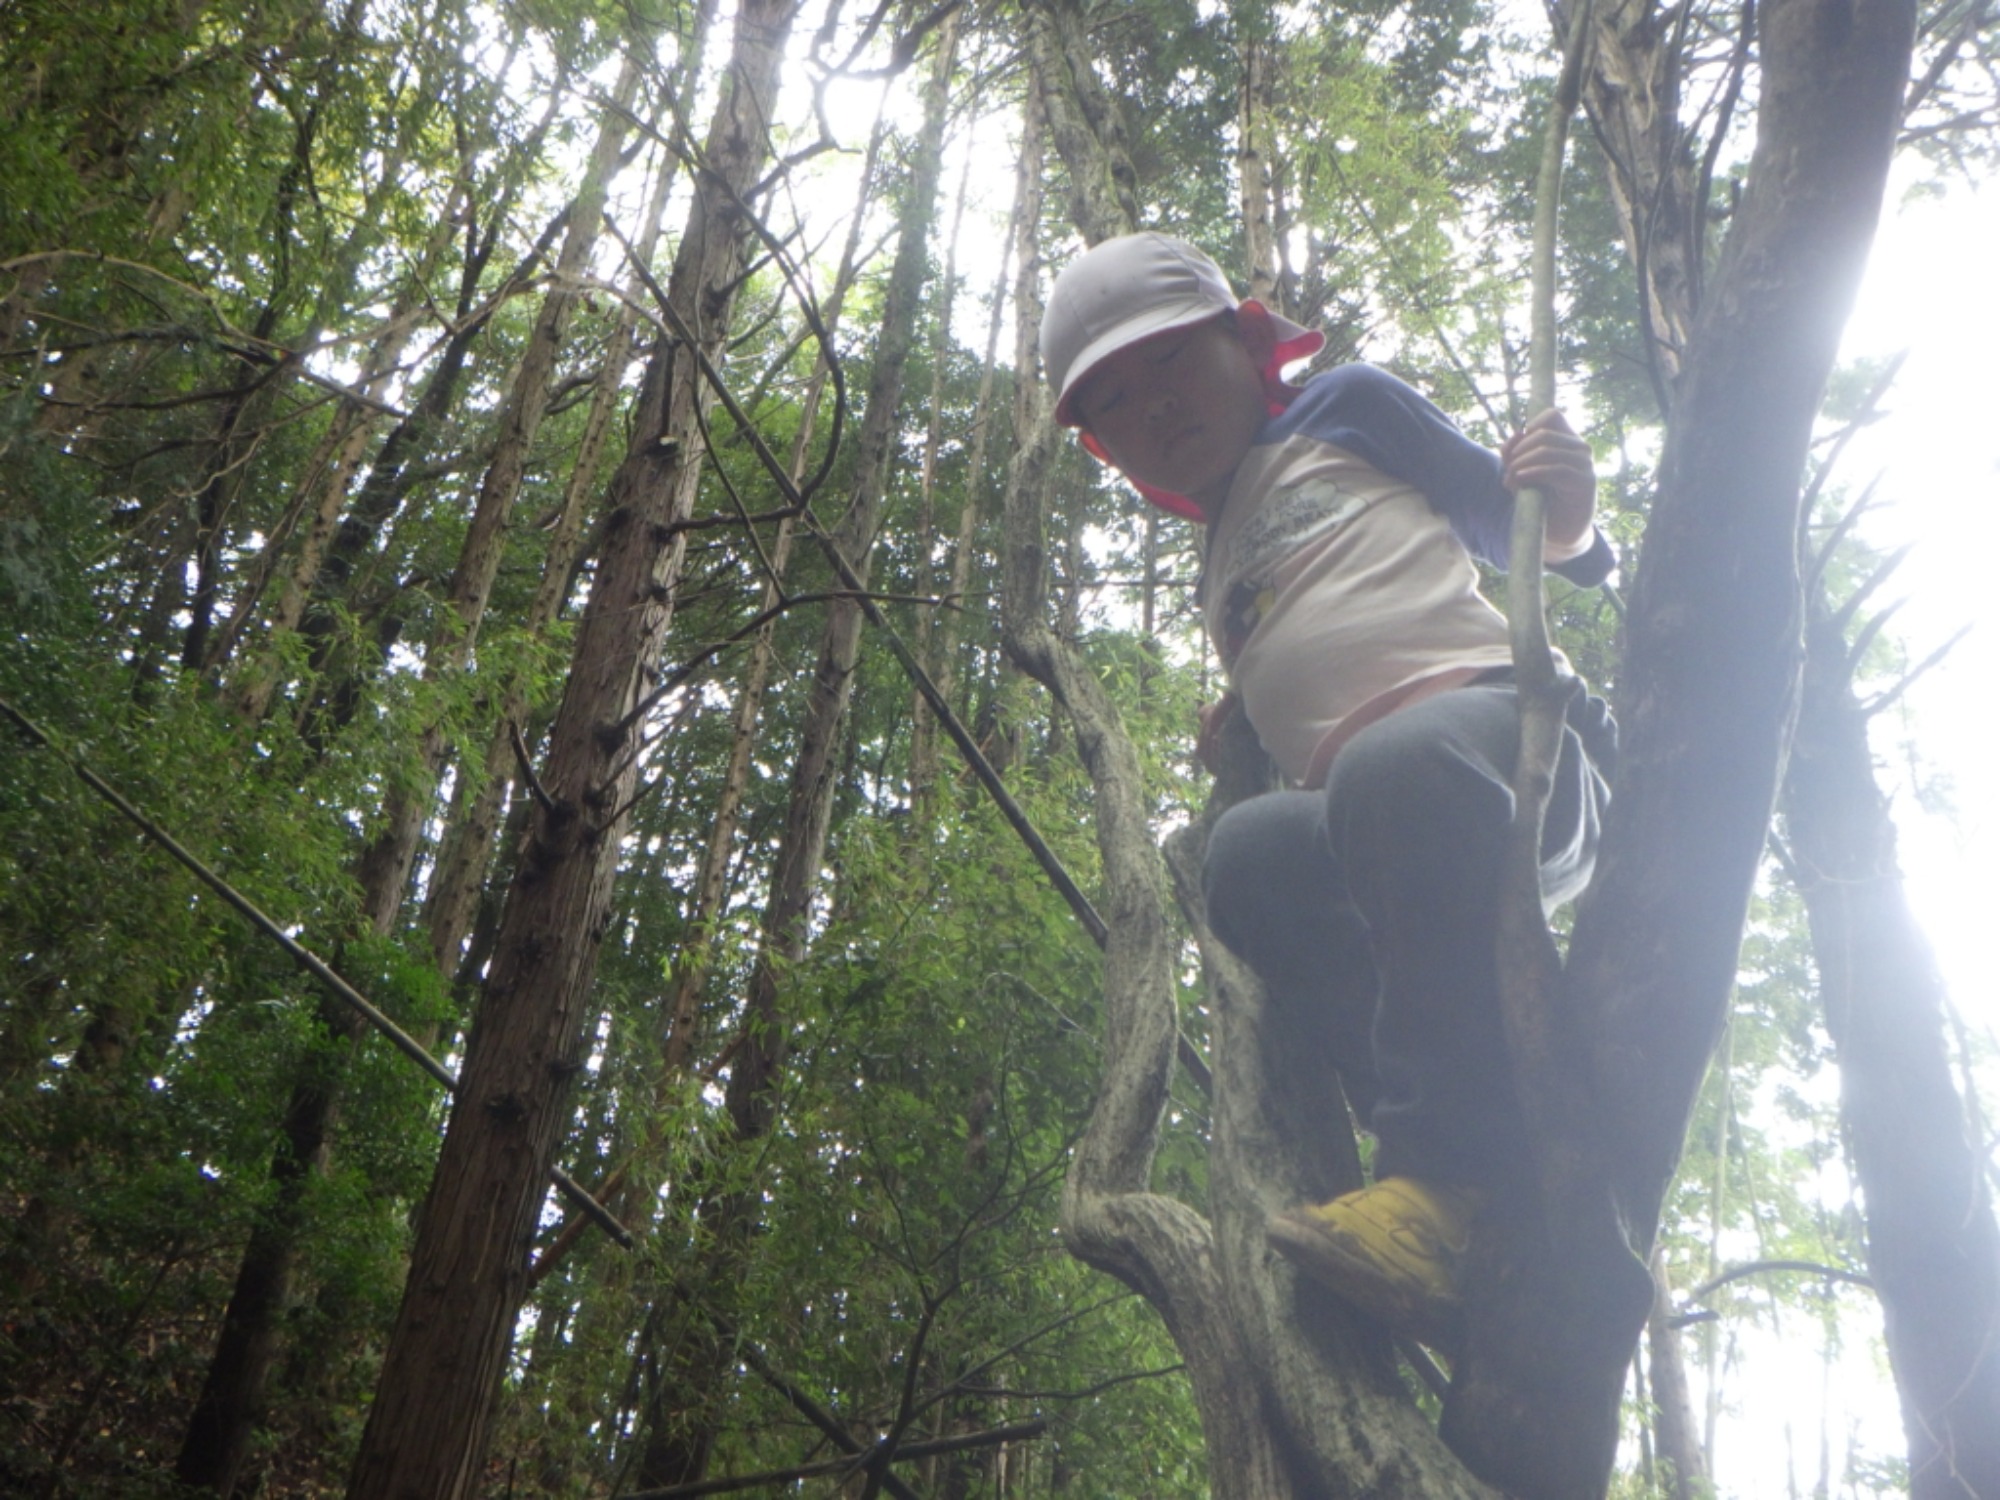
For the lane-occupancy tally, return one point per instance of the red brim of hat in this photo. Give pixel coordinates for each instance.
(1167, 500)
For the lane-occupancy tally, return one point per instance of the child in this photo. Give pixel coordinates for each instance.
(1340, 591)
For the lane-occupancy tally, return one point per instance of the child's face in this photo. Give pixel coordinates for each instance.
(1179, 410)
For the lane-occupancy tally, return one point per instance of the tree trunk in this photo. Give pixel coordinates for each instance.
(923, 730)
(385, 865)
(1714, 629)
(681, 1424)
(1676, 1446)
(1933, 1248)
(217, 1443)
(225, 1416)
(427, 1429)
(466, 848)
(951, 608)
(1254, 149)
(691, 964)
(1632, 92)
(1708, 693)
(321, 491)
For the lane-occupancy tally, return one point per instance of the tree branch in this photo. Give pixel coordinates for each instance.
(303, 957)
(927, 1448)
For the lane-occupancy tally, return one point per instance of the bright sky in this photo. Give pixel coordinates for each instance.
(1930, 289)
(1937, 454)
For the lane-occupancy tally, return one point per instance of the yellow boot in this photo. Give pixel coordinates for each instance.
(1393, 1250)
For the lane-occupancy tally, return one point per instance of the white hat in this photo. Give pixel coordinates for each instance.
(1128, 289)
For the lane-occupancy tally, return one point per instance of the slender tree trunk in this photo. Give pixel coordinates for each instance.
(923, 731)
(385, 866)
(225, 1416)
(796, 874)
(200, 649)
(217, 1443)
(1933, 1247)
(317, 501)
(681, 1423)
(427, 1429)
(952, 607)
(1254, 148)
(1676, 1447)
(692, 963)
(467, 846)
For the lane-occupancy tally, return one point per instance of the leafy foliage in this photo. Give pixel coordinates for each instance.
(267, 275)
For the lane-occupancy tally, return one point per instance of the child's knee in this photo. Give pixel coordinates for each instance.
(1416, 786)
(1260, 855)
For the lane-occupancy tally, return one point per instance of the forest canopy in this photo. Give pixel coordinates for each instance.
(684, 780)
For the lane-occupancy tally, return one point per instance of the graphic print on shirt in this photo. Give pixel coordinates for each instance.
(1292, 520)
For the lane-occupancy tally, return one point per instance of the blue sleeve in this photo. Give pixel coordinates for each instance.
(1376, 417)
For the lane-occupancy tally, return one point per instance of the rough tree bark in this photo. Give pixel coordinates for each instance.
(1923, 1198)
(1632, 93)
(1714, 635)
(466, 848)
(427, 1429)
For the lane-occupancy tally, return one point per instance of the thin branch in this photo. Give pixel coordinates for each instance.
(904, 50)
(1764, 1267)
(755, 623)
(1865, 637)
(1418, 1359)
(814, 1413)
(960, 1385)
(527, 766)
(906, 1401)
(1847, 522)
(1883, 571)
(1883, 699)
(1739, 66)
(947, 717)
(1011, 1393)
(1530, 967)
(303, 957)
(1921, 88)
(1415, 295)
(1870, 405)
(693, 664)
(929, 1448)
(1196, 1065)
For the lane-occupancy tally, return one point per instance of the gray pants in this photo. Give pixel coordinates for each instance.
(1368, 909)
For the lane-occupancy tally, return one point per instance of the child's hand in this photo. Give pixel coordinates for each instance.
(1549, 456)
(1208, 743)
